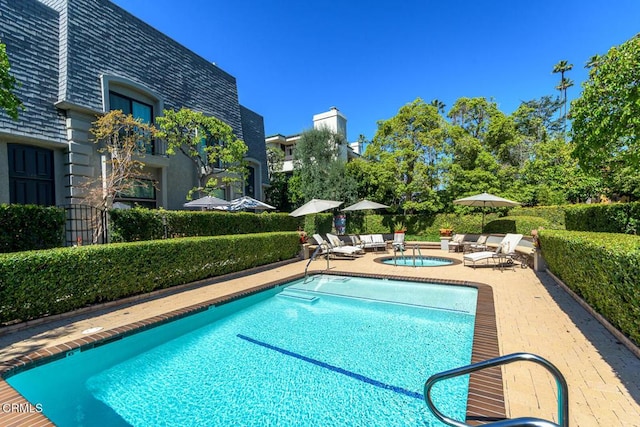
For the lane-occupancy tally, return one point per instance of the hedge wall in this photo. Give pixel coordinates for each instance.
(40, 283)
(516, 224)
(555, 215)
(128, 225)
(29, 227)
(607, 218)
(603, 268)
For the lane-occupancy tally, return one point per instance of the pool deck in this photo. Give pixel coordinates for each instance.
(533, 314)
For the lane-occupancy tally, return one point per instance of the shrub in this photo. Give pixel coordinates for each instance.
(603, 268)
(516, 224)
(39, 283)
(29, 227)
(607, 218)
(128, 225)
(318, 223)
(554, 214)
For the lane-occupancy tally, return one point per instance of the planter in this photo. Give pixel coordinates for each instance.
(446, 232)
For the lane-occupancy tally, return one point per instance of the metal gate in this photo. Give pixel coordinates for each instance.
(84, 225)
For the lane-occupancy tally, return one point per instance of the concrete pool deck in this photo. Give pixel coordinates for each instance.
(533, 314)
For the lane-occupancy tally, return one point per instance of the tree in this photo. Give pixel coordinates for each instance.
(216, 153)
(9, 102)
(122, 140)
(413, 148)
(606, 117)
(277, 192)
(439, 105)
(565, 83)
(319, 171)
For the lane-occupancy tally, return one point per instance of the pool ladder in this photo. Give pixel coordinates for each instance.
(401, 249)
(314, 254)
(563, 392)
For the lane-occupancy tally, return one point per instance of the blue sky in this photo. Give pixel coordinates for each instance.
(293, 59)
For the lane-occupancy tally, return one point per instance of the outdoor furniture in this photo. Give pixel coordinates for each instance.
(456, 244)
(478, 246)
(329, 249)
(373, 241)
(335, 242)
(503, 255)
(398, 242)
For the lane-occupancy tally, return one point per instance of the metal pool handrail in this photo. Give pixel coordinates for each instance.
(563, 391)
(313, 256)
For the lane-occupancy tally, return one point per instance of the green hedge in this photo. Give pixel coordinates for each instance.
(516, 224)
(39, 283)
(128, 225)
(318, 223)
(607, 218)
(29, 227)
(554, 214)
(603, 268)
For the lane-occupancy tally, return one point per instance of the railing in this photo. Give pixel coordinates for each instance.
(84, 225)
(563, 392)
(314, 254)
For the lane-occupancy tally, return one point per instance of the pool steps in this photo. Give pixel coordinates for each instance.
(311, 299)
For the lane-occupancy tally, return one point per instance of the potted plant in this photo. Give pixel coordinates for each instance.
(399, 227)
(446, 229)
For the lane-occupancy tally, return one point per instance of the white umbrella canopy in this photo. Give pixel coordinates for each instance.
(485, 200)
(364, 205)
(315, 206)
(246, 202)
(208, 202)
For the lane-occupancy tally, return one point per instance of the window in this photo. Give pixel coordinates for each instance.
(141, 194)
(249, 186)
(30, 175)
(137, 109)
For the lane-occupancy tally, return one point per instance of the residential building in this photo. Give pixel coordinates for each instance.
(77, 59)
(333, 120)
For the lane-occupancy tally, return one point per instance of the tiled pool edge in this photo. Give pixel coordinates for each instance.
(486, 397)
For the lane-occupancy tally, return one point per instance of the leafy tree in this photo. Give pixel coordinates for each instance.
(413, 148)
(122, 140)
(209, 143)
(9, 102)
(606, 117)
(277, 192)
(439, 105)
(319, 171)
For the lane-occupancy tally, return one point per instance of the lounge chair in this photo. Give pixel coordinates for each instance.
(479, 245)
(504, 253)
(335, 242)
(329, 249)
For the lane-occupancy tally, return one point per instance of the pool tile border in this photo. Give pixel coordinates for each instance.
(486, 397)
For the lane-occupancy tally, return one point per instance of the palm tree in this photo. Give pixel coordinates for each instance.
(439, 105)
(593, 62)
(562, 67)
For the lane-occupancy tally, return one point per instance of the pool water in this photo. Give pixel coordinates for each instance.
(418, 261)
(328, 351)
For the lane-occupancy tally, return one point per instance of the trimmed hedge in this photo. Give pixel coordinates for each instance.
(607, 218)
(41, 283)
(129, 225)
(30, 227)
(516, 224)
(554, 214)
(603, 268)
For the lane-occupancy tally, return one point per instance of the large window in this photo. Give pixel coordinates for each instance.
(143, 193)
(137, 109)
(30, 175)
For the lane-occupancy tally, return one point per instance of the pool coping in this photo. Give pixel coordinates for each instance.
(382, 259)
(485, 399)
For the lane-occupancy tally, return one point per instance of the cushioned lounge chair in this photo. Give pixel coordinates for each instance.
(335, 242)
(398, 241)
(479, 245)
(456, 244)
(373, 241)
(329, 249)
(504, 253)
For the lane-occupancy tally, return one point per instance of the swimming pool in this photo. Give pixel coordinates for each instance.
(417, 261)
(328, 351)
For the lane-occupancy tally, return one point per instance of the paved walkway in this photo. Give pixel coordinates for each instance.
(533, 315)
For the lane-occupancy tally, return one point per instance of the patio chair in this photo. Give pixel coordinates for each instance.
(334, 248)
(398, 241)
(456, 244)
(503, 254)
(479, 245)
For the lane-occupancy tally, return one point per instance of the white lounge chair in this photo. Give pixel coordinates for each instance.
(335, 242)
(479, 245)
(373, 241)
(457, 242)
(504, 253)
(328, 248)
(398, 241)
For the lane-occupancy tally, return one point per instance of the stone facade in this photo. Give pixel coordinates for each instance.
(69, 54)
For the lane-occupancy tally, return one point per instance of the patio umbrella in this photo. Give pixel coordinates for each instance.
(485, 200)
(207, 202)
(246, 202)
(315, 206)
(364, 205)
